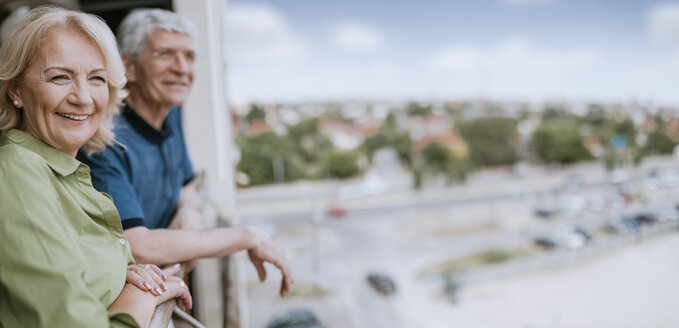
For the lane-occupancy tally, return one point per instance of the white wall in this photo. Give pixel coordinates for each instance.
(208, 135)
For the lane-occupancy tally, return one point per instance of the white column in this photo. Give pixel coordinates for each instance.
(207, 126)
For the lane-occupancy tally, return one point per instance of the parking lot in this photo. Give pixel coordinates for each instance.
(415, 246)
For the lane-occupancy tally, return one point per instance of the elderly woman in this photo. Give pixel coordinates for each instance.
(64, 260)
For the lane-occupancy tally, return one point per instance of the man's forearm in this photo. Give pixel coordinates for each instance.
(164, 246)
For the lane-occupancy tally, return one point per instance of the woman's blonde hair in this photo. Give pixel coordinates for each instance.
(22, 45)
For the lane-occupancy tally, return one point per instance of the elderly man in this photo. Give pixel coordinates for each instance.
(149, 176)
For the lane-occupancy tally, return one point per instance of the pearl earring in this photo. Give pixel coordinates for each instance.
(16, 103)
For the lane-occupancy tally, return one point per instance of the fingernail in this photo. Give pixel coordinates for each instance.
(163, 286)
(147, 285)
(163, 276)
(158, 290)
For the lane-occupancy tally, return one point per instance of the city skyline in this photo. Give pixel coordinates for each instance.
(527, 50)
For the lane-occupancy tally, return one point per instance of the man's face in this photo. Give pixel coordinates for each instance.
(164, 73)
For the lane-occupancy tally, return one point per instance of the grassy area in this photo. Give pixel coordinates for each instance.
(487, 257)
(308, 290)
(295, 230)
(299, 290)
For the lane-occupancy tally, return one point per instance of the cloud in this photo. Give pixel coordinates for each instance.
(513, 67)
(356, 37)
(259, 33)
(525, 2)
(663, 22)
(512, 55)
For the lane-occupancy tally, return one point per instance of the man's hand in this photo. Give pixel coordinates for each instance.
(264, 250)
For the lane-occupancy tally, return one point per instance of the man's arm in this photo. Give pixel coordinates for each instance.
(163, 246)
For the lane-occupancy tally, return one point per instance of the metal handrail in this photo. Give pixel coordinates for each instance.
(162, 315)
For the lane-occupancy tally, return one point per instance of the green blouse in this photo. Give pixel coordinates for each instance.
(63, 254)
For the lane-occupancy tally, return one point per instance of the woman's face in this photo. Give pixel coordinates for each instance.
(63, 91)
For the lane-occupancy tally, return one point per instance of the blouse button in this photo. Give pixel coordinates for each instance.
(122, 241)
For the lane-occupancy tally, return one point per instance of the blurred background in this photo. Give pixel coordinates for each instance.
(494, 163)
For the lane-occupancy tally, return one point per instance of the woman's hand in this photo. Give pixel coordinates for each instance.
(140, 304)
(176, 288)
(149, 277)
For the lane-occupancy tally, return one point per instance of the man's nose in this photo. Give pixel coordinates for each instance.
(182, 64)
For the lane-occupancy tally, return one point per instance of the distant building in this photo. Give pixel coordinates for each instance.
(440, 128)
(343, 134)
(256, 127)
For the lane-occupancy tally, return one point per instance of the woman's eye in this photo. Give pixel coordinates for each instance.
(58, 78)
(98, 79)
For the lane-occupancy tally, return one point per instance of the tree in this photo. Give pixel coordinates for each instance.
(260, 152)
(306, 127)
(596, 116)
(618, 126)
(388, 135)
(415, 109)
(343, 163)
(557, 141)
(255, 113)
(490, 140)
(438, 159)
(310, 144)
(659, 143)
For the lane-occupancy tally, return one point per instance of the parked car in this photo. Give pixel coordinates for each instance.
(667, 214)
(382, 284)
(545, 242)
(626, 224)
(299, 318)
(646, 218)
(570, 237)
(544, 212)
(336, 211)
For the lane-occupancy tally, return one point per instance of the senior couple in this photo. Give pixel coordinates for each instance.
(70, 254)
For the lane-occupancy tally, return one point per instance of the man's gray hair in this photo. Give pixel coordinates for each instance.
(138, 25)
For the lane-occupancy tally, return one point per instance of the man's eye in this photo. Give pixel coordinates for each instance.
(164, 54)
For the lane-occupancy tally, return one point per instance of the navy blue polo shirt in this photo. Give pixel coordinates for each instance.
(145, 176)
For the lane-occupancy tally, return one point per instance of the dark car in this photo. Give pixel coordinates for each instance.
(544, 213)
(583, 232)
(299, 318)
(623, 225)
(545, 242)
(646, 218)
(383, 284)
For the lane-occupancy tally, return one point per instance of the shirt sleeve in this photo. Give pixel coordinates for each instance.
(109, 170)
(42, 268)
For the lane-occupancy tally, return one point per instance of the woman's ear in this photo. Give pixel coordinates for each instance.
(130, 69)
(13, 93)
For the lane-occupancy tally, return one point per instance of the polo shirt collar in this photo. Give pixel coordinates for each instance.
(56, 159)
(143, 128)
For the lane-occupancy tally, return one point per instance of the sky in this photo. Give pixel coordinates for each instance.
(609, 51)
